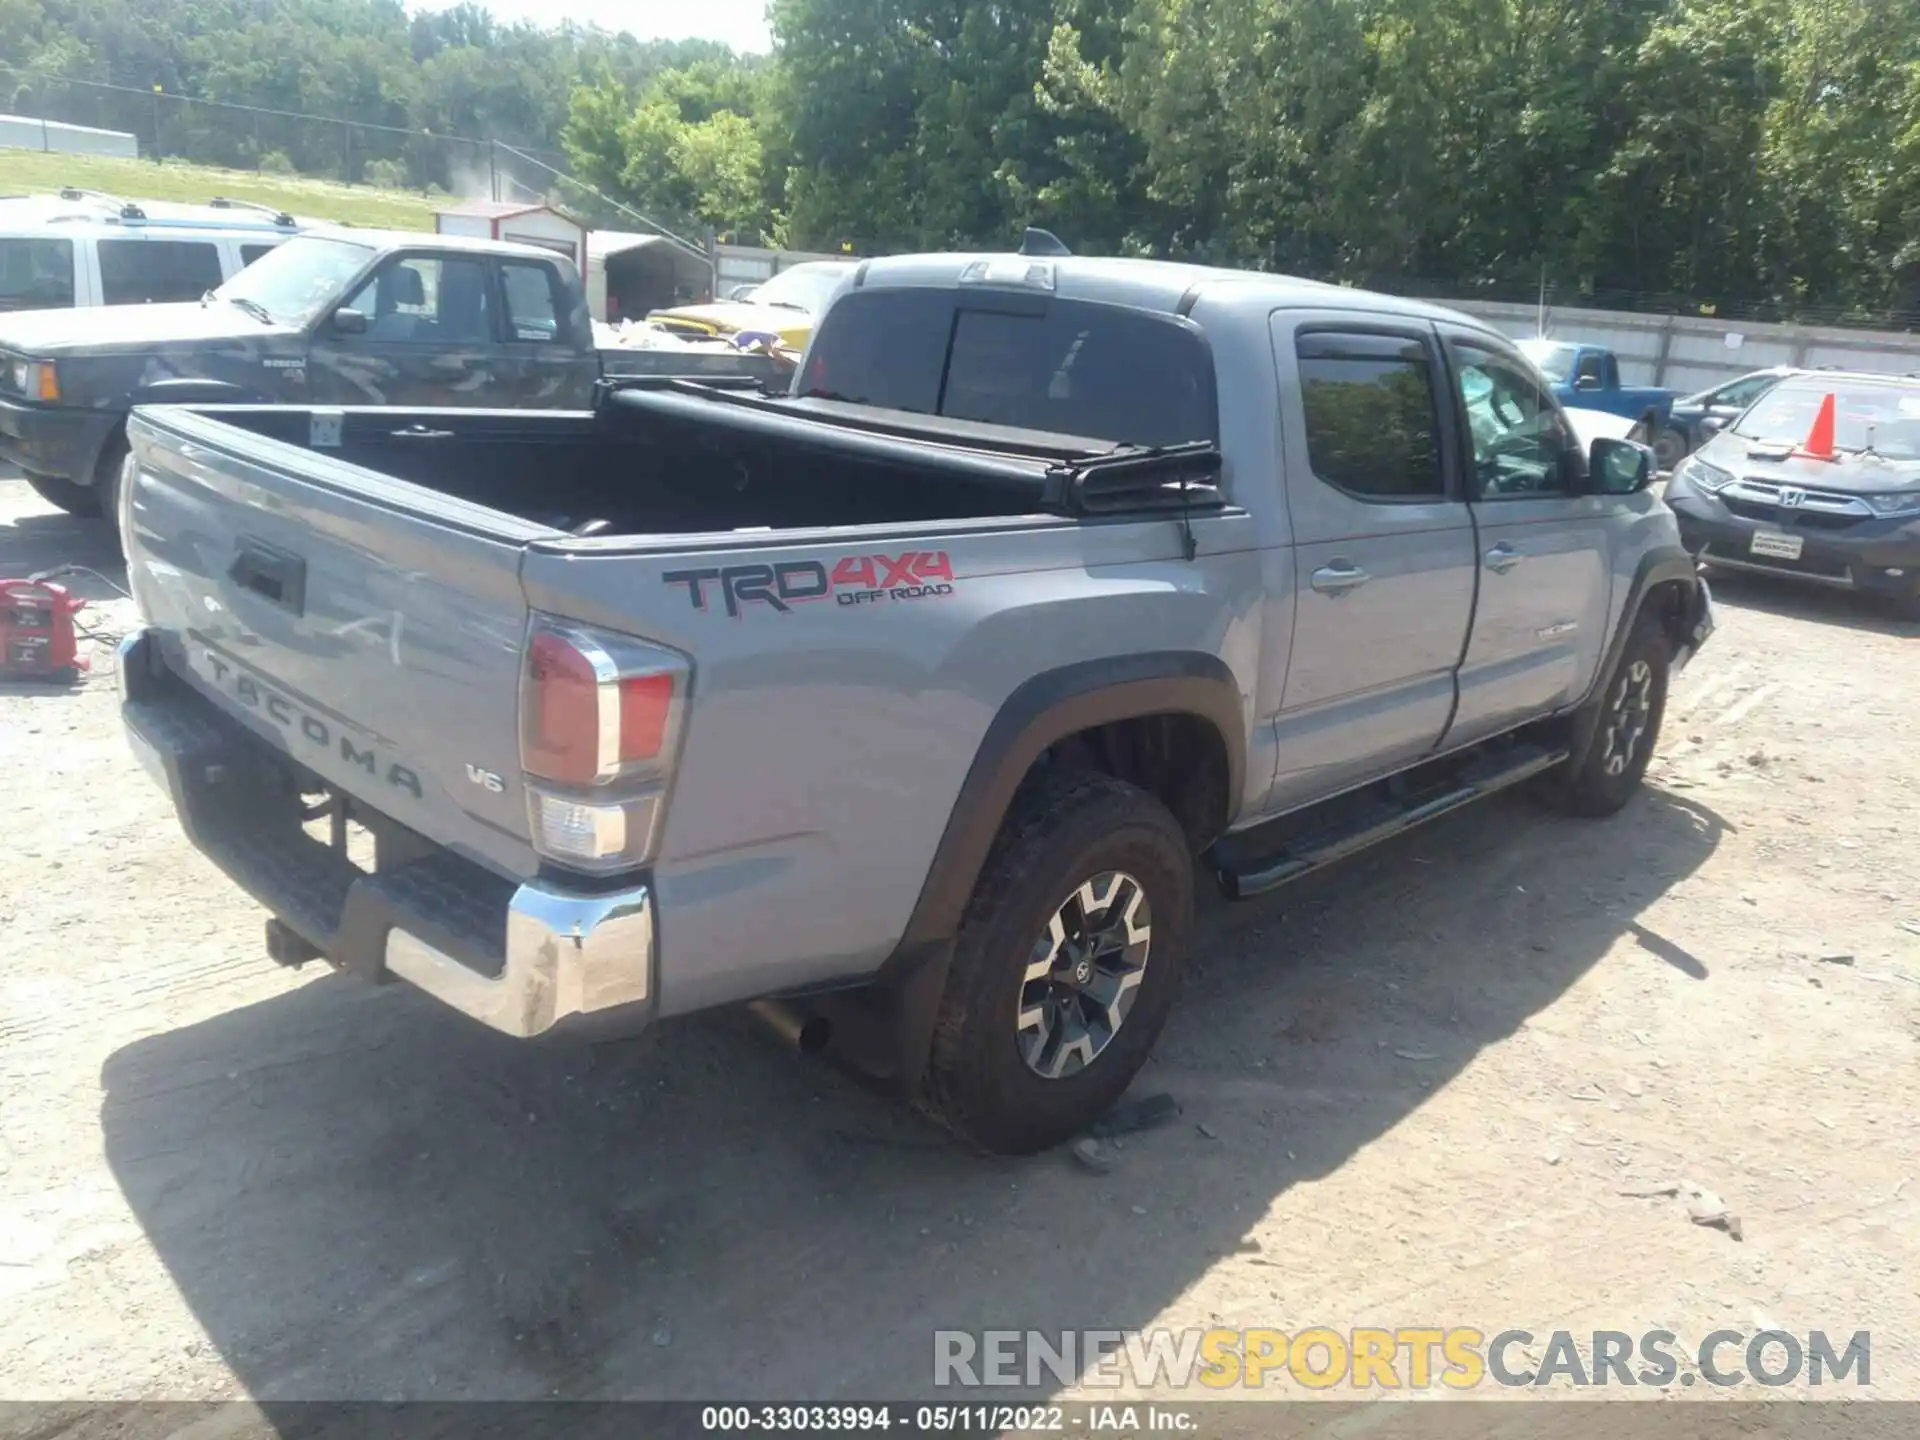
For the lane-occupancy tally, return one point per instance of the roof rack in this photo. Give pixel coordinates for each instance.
(280, 217)
(125, 209)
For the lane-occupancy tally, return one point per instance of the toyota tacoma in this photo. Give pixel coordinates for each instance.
(915, 703)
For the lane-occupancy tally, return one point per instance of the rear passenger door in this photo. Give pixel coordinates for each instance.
(1383, 549)
(546, 362)
(1545, 567)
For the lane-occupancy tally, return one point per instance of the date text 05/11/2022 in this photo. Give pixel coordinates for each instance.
(978, 1419)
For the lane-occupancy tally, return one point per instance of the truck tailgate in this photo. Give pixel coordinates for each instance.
(370, 628)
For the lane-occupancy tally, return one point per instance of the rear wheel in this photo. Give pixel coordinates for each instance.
(1066, 964)
(1669, 447)
(81, 500)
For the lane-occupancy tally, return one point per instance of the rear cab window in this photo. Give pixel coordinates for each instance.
(533, 301)
(141, 272)
(36, 273)
(1082, 368)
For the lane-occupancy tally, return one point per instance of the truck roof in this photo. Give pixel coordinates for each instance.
(1155, 284)
(431, 240)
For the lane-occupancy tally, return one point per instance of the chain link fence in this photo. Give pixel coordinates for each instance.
(256, 137)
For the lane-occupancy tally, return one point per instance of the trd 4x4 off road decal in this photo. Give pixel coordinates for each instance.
(853, 580)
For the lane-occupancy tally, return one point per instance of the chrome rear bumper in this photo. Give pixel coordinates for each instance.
(522, 959)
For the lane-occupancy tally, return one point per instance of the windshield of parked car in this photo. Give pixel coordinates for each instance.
(1741, 392)
(1882, 418)
(298, 280)
(1551, 360)
(804, 287)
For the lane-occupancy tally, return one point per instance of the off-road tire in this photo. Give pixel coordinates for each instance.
(1595, 789)
(1063, 831)
(80, 500)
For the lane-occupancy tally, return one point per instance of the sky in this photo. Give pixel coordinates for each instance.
(739, 23)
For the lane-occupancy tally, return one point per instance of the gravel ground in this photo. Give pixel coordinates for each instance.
(1413, 1092)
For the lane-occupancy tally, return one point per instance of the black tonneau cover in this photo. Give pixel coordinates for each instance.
(1060, 473)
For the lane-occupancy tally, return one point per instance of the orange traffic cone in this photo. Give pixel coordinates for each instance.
(1819, 444)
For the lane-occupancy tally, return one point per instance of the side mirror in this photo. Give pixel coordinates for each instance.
(1713, 422)
(1619, 467)
(349, 322)
(1586, 382)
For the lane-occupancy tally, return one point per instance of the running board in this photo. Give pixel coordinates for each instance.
(1252, 862)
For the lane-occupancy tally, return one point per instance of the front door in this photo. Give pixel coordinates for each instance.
(429, 339)
(1545, 567)
(1383, 549)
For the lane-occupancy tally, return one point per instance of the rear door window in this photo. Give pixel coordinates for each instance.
(1373, 429)
(533, 310)
(1067, 367)
(140, 272)
(36, 274)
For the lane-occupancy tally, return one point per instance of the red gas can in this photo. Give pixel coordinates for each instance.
(37, 637)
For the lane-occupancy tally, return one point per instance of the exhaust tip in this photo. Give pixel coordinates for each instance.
(807, 1032)
(815, 1032)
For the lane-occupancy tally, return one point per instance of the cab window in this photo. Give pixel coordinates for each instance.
(427, 300)
(1068, 367)
(1373, 429)
(1522, 444)
(533, 306)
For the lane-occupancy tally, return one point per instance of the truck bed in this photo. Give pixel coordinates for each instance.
(666, 462)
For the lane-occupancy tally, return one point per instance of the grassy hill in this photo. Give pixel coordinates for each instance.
(30, 171)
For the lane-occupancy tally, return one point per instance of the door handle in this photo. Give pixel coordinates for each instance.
(1339, 577)
(1502, 558)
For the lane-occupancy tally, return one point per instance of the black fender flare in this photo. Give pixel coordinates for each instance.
(1043, 710)
(1661, 565)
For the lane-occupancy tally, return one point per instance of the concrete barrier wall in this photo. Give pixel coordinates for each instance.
(1688, 353)
(21, 132)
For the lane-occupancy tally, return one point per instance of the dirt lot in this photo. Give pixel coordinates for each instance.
(1424, 1082)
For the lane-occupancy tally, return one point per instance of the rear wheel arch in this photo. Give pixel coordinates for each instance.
(1170, 722)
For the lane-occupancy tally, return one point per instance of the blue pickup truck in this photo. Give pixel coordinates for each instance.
(1588, 378)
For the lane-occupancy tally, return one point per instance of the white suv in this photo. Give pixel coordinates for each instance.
(81, 248)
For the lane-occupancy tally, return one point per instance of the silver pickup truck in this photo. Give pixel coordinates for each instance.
(911, 703)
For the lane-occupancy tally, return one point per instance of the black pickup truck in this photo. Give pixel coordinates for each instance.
(332, 317)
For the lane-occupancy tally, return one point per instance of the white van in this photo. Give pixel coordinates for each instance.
(81, 248)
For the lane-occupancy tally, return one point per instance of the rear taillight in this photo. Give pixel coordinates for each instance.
(599, 720)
